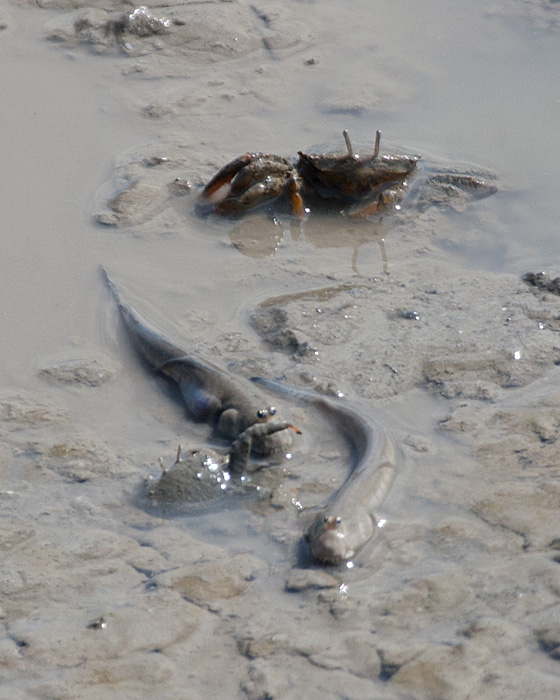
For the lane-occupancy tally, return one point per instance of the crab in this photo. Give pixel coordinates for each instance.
(198, 476)
(373, 181)
(249, 181)
(367, 184)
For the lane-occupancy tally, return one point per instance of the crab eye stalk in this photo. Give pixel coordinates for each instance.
(348, 144)
(377, 143)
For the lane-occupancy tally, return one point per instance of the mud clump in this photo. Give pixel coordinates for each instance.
(22, 410)
(544, 281)
(272, 326)
(78, 372)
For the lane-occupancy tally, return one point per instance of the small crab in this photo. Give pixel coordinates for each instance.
(368, 183)
(251, 180)
(373, 183)
(198, 476)
(376, 180)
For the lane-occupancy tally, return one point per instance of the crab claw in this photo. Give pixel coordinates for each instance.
(249, 181)
(241, 447)
(296, 199)
(219, 187)
(383, 200)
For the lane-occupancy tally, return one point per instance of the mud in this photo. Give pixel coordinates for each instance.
(422, 319)
(79, 372)
(541, 280)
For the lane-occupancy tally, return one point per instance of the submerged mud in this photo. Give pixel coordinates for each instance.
(457, 594)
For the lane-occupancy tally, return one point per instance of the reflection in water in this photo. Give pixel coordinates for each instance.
(339, 232)
(258, 235)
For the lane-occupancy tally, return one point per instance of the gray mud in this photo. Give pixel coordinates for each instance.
(113, 117)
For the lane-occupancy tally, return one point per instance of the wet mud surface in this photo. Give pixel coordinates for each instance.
(106, 592)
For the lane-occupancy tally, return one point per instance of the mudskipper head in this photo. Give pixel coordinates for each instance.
(327, 539)
(271, 443)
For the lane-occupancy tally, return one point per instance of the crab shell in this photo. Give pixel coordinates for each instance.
(350, 177)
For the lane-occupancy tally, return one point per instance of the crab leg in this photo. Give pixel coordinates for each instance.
(241, 447)
(388, 197)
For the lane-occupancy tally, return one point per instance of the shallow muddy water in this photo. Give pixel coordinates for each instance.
(421, 319)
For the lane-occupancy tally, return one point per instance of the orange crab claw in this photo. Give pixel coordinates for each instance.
(225, 175)
(296, 199)
(297, 205)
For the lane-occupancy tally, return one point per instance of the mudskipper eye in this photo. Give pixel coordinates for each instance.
(261, 413)
(338, 520)
(326, 519)
(271, 411)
